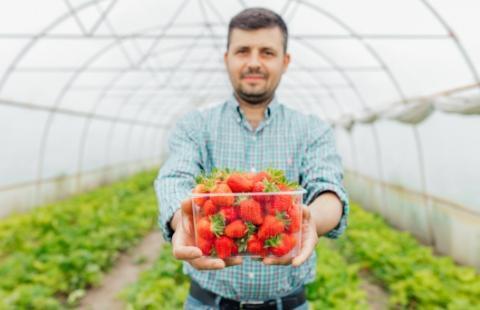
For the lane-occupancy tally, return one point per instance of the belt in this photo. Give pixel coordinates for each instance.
(288, 302)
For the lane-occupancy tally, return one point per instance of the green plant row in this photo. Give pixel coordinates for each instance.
(414, 276)
(50, 255)
(165, 286)
(337, 284)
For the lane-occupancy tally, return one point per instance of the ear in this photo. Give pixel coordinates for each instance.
(286, 61)
(225, 58)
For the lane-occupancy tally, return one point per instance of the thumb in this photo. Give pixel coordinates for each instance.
(187, 207)
(305, 212)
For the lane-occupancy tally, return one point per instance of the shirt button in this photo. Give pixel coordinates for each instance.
(251, 275)
(254, 138)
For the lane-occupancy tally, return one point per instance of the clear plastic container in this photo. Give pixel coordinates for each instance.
(248, 224)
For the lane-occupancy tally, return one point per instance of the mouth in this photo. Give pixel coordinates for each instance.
(253, 77)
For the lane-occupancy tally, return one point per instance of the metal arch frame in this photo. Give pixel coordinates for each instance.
(97, 104)
(142, 106)
(204, 14)
(454, 37)
(386, 69)
(99, 100)
(58, 101)
(33, 40)
(355, 91)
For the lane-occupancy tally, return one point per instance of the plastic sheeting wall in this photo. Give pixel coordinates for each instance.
(89, 89)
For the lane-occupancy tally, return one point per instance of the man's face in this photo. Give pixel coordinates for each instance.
(255, 62)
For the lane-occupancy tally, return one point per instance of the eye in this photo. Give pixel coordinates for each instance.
(241, 51)
(268, 52)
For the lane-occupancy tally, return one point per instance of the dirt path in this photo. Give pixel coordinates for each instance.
(126, 271)
(377, 297)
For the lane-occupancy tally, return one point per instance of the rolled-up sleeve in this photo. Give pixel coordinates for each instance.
(321, 170)
(176, 177)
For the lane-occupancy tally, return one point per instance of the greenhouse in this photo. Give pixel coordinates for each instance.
(111, 109)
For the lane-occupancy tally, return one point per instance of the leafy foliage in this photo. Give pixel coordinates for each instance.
(413, 275)
(53, 253)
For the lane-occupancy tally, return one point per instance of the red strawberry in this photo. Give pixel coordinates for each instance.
(255, 246)
(205, 245)
(239, 183)
(209, 228)
(271, 226)
(250, 210)
(259, 187)
(229, 213)
(281, 244)
(200, 189)
(282, 202)
(225, 247)
(295, 218)
(220, 201)
(209, 208)
(261, 176)
(236, 229)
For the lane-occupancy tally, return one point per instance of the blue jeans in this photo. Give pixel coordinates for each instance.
(194, 304)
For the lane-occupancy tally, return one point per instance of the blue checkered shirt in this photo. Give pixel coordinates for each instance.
(301, 145)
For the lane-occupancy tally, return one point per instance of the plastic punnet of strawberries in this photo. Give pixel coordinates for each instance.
(247, 213)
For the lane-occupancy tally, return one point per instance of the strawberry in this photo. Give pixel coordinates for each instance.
(220, 201)
(209, 208)
(208, 228)
(282, 202)
(229, 213)
(250, 210)
(200, 189)
(255, 246)
(225, 247)
(236, 229)
(281, 244)
(295, 219)
(205, 245)
(272, 225)
(239, 183)
(262, 175)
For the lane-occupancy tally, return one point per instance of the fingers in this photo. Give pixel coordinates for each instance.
(305, 252)
(284, 260)
(308, 245)
(185, 252)
(207, 263)
(233, 261)
(182, 249)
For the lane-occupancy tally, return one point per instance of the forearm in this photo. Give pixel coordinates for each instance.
(326, 210)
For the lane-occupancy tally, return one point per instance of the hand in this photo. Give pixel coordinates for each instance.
(183, 242)
(309, 241)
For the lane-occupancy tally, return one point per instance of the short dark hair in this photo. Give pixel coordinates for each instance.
(257, 18)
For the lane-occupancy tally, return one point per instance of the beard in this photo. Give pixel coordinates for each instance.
(254, 98)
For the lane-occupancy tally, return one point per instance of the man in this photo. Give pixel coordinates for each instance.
(250, 132)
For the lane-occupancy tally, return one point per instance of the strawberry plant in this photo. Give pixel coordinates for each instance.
(52, 254)
(414, 276)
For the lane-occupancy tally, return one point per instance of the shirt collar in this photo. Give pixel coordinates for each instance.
(234, 107)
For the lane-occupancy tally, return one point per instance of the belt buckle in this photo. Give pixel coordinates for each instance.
(250, 302)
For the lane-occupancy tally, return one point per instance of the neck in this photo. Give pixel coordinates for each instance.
(253, 112)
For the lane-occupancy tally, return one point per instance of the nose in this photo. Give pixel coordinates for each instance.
(254, 60)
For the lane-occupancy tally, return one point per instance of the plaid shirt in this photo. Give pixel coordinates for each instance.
(301, 145)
